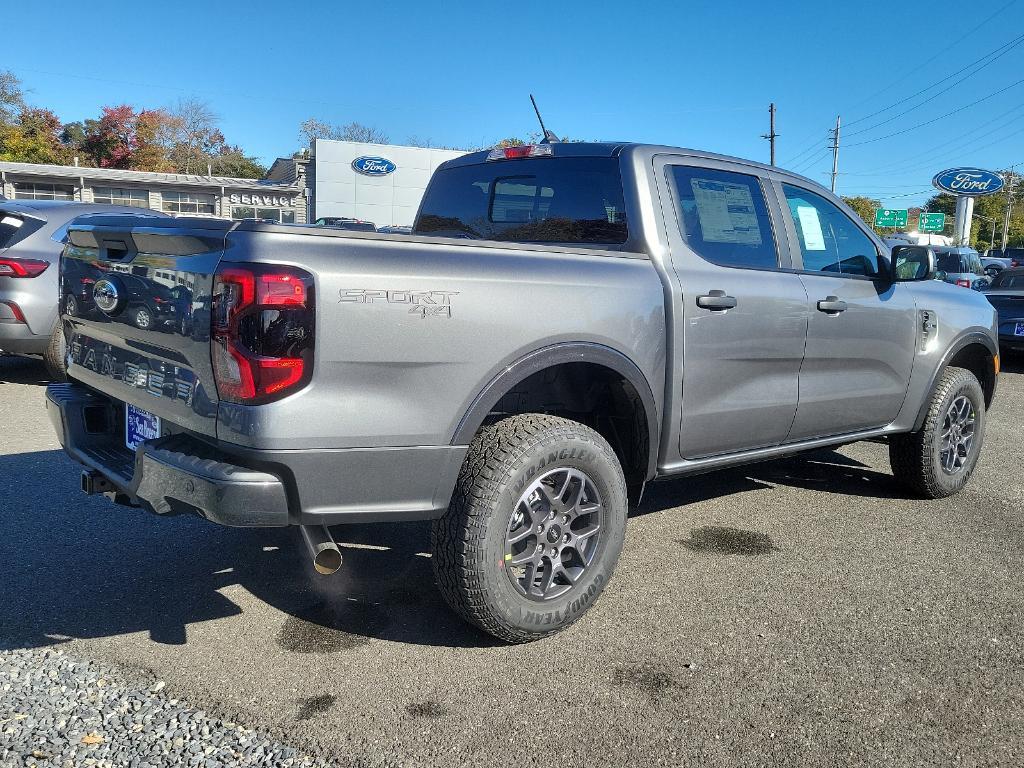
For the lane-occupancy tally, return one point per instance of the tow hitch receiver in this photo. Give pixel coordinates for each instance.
(93, 482)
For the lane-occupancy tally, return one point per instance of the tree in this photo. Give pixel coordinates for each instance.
(317, 129)
(12, 98)
(34, 138)
(865, 207)
(111, 141)
(155, 130)
(232, 161)
(196, 136)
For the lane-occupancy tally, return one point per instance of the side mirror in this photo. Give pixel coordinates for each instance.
(913, 262)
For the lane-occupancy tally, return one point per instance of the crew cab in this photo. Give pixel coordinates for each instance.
(564, 324)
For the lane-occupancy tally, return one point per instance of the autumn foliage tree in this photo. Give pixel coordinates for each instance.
(183, 138)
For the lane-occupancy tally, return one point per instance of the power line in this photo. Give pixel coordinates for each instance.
(935, 120)
(944, 51)
(1007, 46)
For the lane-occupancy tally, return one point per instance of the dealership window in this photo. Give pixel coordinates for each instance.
(136, 198)
(188, 202)
(32, 190)
(271, 214)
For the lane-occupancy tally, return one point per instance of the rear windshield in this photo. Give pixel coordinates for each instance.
(949, 262)
(571, 200)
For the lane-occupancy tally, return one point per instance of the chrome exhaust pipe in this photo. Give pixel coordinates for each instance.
(325, 553)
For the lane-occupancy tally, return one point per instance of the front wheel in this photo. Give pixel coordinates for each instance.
(938, 460)
(534, 529)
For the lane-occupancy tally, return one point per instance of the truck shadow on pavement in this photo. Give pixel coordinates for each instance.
(81, 567)
(22, 370)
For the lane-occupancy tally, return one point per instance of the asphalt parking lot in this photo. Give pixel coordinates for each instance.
(800, 612)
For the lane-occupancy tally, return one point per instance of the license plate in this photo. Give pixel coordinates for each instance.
(139, 426)
(1019, 330)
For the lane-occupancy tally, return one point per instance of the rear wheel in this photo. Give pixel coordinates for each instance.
(938, 460)
(535, 527)
(54, 356)
(142, 318)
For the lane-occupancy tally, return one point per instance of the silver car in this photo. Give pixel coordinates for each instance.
(962, 266)
(32, 234)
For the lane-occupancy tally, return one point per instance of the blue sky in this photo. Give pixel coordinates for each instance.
(459, 73)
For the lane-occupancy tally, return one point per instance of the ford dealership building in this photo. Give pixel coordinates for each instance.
(381, 183)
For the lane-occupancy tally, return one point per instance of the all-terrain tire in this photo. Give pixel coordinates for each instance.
(916, 457)
(469, 543)
(53, 356)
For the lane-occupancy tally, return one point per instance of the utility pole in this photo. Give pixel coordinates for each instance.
(1009, 205)
(771, 135)
(835, 153)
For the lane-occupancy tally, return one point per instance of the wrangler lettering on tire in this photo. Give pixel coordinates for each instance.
(534, 529)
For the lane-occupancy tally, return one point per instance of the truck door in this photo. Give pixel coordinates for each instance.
(740, 319)
(861, 333)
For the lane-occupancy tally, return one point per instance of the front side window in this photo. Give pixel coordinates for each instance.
(571, 200)
(188, 202)
(136, 198)
(723, 217)
(829, 240)
(33, 190)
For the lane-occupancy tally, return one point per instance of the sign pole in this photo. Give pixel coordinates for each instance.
(1009, 203)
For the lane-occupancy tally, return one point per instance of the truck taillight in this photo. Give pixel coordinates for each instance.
(22, 267)
(521, 152)
(262, 331)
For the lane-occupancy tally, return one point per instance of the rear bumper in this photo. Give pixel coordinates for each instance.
(17, 337)
(234, 486)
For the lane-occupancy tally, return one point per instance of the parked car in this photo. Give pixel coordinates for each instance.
(961, 266)
(31, 238)
(340, 222)
(993, 265)
(395, 230)
(570, 322)
(1006, 294)
(1008, 259)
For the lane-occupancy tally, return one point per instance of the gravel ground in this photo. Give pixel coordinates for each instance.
(56, 710)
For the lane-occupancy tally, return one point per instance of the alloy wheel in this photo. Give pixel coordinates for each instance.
(553, 534)
(957, 435)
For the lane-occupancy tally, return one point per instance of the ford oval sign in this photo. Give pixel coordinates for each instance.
(373, 166)
(970, 182)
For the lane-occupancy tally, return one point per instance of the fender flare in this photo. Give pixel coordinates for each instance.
(961, 342)
(557, 354)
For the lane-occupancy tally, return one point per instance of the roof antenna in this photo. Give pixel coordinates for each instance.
(549, 137)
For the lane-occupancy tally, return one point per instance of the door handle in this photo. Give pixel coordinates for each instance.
(716, 301)
(832, 305)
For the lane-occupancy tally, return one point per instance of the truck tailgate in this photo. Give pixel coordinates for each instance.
(136, 302)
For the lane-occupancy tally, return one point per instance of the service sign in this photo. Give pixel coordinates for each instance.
(970, 182)
(373, 166)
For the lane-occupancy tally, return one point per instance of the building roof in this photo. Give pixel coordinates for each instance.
(143, 177)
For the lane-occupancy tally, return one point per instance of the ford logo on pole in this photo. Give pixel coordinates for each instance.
(970, 182)
(373, 166)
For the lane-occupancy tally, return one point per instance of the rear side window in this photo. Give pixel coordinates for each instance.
(723, 217)
(829, 240)
(570, 200)
(9, 227)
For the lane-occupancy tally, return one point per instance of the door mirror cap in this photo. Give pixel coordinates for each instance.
(913, 262)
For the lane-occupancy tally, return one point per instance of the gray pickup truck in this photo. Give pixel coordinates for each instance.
(566, 323)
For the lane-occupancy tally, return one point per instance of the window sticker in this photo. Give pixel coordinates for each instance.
(810, 224)
(726, 212)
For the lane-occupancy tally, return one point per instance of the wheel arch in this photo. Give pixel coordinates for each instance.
(600, 357)
(975, 351)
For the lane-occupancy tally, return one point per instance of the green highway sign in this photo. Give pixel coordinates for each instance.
(932, 222)
(890, 217)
